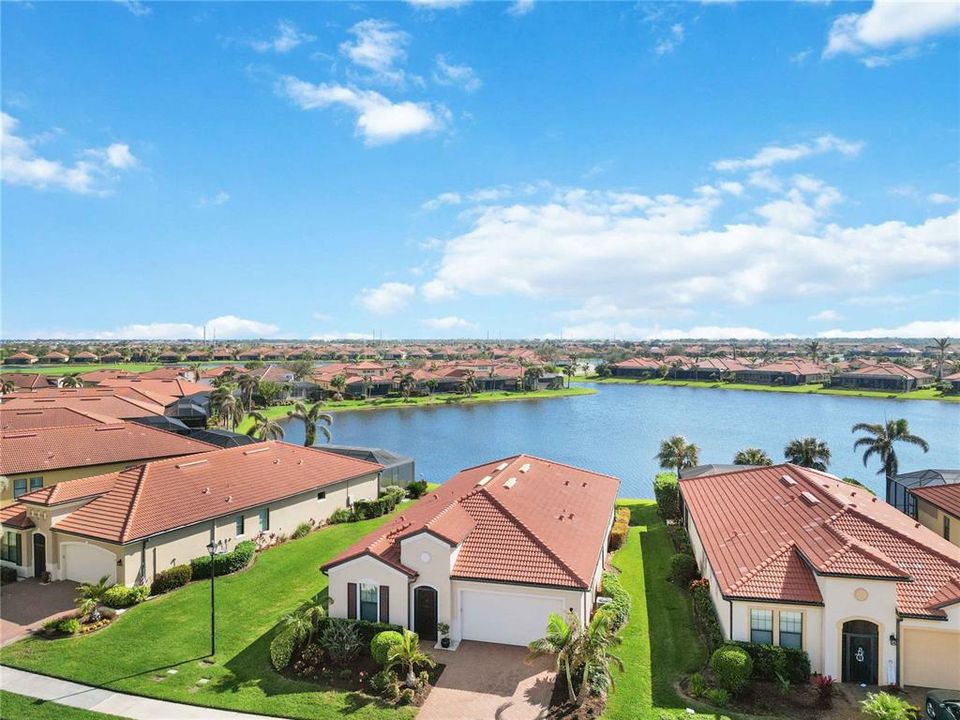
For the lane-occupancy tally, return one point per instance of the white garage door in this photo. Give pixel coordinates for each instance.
(508, 618)
(88, 563)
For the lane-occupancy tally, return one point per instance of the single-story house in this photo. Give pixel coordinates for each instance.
(20, 358)
(43, 417)
(899, 487)
(884, 376)
(938, 508)
(55, 357)
(492, 552)
(638, 367)
(798, 558)
(112, 356)
(41, 457)
(784, 372)
(26, 381)
(85, 357)
(131, 524)
(169, 356)
(198, 356)
(954, 381)
(106, 404)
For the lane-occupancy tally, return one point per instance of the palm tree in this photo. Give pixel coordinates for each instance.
(248, 386)
(313, 420)
(531, 376)
(91, 597)
(752, 456)
(813, 347)
(303, 622)
(678, 454)
(593, 652)
(570, 370)
(197, 370)
(71, 381)
(808, 452)
(8, 387)
(406, 382)
(265, 428)
(940, 345)
(881, 439)
(226, 405)
(339, 383)
(469, 383)
(561, 641)
(431, 385)
(408, 655)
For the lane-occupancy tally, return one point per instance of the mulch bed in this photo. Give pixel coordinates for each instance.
(561, 709)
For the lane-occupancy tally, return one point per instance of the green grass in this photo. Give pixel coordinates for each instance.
(173, 631)
(71, 369)
(20, 707)
(660, 644)
(924, 394)
(439, 399)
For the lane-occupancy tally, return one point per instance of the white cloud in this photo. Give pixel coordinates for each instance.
(628, 331)
(825, 316)
(671, 41)
(225, 327)
(887, 24)
(390, 297)
(941, 199)
(220, 198)
(495, 193)
(287, 38)
(377, 47)
(776, 154)
(379, 120)
(450, 322)
(136, 7)
(461, 75)
(23, 166)
(437, 4)
(800, 58)
(519, 8)
(437, 290)
(916, 329)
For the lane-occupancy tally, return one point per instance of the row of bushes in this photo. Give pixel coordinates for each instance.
(666, 489)
(171, 579)
(705, 614)
(225, 563)
(621, 526)
(390, 497)
(121, 596)
(619, 606)
(341, 640)
(775, 663)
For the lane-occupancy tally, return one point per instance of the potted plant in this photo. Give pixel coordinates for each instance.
(444, 631)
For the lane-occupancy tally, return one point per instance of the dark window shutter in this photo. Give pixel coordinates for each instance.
(352, 601)
(384, 603)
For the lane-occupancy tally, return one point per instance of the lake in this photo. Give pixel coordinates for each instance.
(618, 430)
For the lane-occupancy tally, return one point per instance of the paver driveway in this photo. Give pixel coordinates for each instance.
(484, 681)
(27, 604)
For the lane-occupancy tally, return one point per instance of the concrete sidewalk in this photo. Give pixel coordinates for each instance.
(107, 701)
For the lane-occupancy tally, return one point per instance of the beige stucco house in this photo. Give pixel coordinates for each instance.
(938, 508)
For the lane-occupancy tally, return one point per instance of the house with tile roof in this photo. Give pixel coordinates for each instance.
(938, 508)
(20, 358)
(784, 372)
(799, 558)
(886, 376)
(491, 552)
(639, 367)
(132, 523)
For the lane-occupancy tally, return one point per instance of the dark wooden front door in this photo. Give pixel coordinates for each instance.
(860, 652)
(425, 613)
(39, 555)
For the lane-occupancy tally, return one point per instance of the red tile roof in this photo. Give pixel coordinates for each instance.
(105, 404)
(522, 519)
(166, 494)
(752, 523)
(26, 381)
(791, 367)
(30, 418)
(56, 448)
(888, 369)
(15, 516)
(945, 497)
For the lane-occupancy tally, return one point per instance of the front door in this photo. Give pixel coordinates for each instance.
(860, 652)
(39, 555)
(425, 613)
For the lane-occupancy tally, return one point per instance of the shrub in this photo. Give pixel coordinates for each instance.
(884, 706)
(368, 509)
(698, 686)
(718, 697)
(681, 541)
(341, 641)
(732, 667)
(826, 688)
(281, 649)
(392, 693)
(7, 575)
(381, 682)
(705, 614)
(417, 489)
(406, 696)
(683, 569)
(167, 580)
(303, 529)
(667, 491)
(70, 626)
(224, 564)
(381, 644)
(366, 629)
(120, 596)
(771, 661)
(619, 607)
(340, 515)
(621, 526)
(394, 491)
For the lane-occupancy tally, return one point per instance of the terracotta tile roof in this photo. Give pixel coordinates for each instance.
(30, 418)
(945, 497)
(522, 519)
(26, 381)
(791, 367)
(15, 516)
(888, 369)
(55, 448)
(175, 388)
(747, 518)
(105, 404)
(167, 494)
(638, 362)
(22, 356)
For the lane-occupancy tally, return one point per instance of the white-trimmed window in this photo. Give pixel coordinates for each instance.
(791, 629)
(265, 519)
(11, 547)
(239, 524)
(761, 627)
(368, 601)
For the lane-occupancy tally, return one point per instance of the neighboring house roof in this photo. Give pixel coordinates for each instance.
(378, 455)
(157, 388)
(521, 519)
(55, 355)
(30, 418)
(26, 381)
(768, 531)
(55, 448)
(790, 367)
(922, 478)
(887, 370)
(162, 373)
(165, 494)
(22, 356)
(15, 516)
(711, 469)
(639, 363)
(945, 497)
(105, 404)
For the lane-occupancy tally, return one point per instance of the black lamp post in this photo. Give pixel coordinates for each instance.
(214, 548)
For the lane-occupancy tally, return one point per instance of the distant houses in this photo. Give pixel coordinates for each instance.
(21, 358)
(785, 372)
(885, 376)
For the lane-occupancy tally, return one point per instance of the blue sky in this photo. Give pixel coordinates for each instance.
(480, 169)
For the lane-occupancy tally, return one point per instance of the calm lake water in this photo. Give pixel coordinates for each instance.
(618, 430)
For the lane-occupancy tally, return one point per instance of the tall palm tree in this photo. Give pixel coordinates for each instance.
(570, 370)
(752, 456)
(808, 452)
(339, 383)
(197, 370)
(531, 376)
(561, 642)
(880, 440)
(407, 655)
(940, 345)
(593, 653)
(248, 384)
(313, 419)
(469, 383)
(813, 347)
(678, 454)
(8, 387)
(405, 381)
(228, 407)
(265, 428)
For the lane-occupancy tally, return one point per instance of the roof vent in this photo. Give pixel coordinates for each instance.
(255, 450)
(809, 498)
(229, 498)
(484, 480)
(190, 464)
(566, 482)
(525, 468)
(510, 483)
(276, 461)
(584, 484)
(787, 480)
(501, 466)
(206, 491)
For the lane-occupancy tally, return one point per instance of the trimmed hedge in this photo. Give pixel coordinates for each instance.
(167, 580)
(620, 529)
(121, 596)
(732, 667)
(224, 564)
(666, 489)
(619, 607)
(681, 541)
(417, 489)
(366, 629)
(7, 575)
(705, 614)
(381, 644)
(683, 569)
(369, 509)
(281, 649)
(772, 660)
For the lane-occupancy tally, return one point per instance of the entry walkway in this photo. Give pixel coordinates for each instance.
(107, 701)
(27, 604)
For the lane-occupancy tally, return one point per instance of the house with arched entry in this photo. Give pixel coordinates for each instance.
(801, 559)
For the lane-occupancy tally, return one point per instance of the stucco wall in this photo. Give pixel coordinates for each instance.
(932, 517)
(431, 558)
(706, 570)
(811, 632)
(367, 570)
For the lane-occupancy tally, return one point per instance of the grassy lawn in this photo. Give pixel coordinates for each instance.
(660, 643)
(924, 394)
(27, 708)
(280, 411)
(71, 369)
(173, 632)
